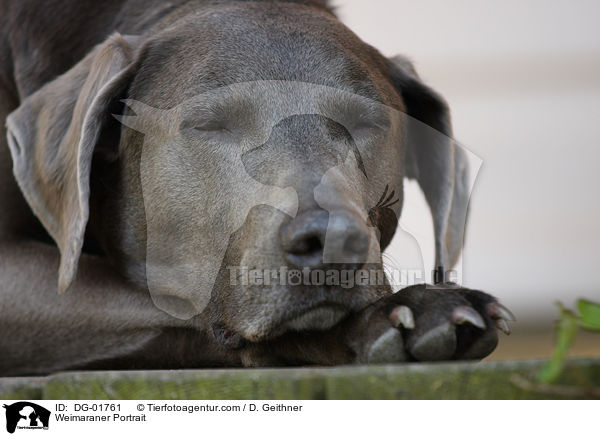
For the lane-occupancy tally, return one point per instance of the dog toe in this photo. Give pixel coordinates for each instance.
(388, 348)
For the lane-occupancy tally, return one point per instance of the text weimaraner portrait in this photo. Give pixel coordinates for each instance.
(197, 183)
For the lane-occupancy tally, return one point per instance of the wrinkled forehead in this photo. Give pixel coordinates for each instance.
(252, 42)
(278, 99)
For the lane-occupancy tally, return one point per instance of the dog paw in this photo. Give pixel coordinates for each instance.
(433, 324)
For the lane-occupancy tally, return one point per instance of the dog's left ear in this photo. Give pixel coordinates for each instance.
(52, 137)
(434, 160)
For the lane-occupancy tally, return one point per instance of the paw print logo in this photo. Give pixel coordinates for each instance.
(294, 277)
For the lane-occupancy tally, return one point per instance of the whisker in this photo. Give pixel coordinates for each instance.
(391, 204)
(390, 197)
(383, 195)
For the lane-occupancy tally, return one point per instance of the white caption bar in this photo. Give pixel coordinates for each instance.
(148, 417)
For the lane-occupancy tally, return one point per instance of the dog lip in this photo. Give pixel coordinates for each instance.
(320, 317)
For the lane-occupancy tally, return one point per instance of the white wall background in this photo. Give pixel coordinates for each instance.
(523, 81)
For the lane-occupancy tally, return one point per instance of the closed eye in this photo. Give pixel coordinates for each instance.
(212, 133)
(358, 114)
(206, 129)
(212, 128)
(204, 121)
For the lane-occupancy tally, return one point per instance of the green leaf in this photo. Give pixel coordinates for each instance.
(566, 330)
(589, 313)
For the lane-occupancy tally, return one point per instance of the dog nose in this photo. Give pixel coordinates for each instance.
(341, 236)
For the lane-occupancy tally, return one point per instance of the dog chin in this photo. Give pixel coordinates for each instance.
(319, 318)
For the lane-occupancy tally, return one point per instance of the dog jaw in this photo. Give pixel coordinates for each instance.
(320, 318)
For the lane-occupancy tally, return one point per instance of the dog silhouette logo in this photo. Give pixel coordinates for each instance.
(26, 415)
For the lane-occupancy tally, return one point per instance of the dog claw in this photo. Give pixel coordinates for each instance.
(466, 314)
(402, 315)
(388, 348)
(501, 324)
(498, 311)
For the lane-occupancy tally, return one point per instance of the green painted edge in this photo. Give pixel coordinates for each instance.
(457, 380)
(22, 388)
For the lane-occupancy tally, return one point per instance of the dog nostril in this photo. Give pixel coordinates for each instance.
(356, 243)
(303, 239)
(306, 246)
(317, 237)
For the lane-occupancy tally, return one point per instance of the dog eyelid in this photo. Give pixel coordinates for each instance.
(212, 128)
(203, 126)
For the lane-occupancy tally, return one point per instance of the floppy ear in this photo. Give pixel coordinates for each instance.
(434, 160)
(52, 136)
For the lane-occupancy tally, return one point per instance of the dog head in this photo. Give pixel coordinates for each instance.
(252, 143)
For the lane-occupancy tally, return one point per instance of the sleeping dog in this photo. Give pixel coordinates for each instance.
(197, 178)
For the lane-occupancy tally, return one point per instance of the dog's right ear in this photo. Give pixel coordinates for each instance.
(52, 137)
(434, 160)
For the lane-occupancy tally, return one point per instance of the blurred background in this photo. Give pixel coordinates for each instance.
(522, 78)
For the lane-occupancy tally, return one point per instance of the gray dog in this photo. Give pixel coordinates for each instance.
(157, 151)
